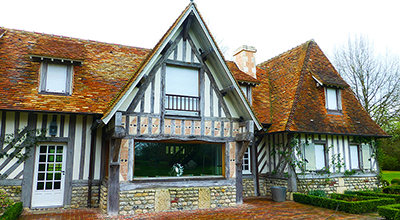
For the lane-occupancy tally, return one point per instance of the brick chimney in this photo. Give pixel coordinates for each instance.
(245, 58)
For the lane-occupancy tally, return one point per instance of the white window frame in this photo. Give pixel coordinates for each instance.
(333, 104)
(312, 157)
(355, 157)
(193, 86)
(45, 83)
(246, 165)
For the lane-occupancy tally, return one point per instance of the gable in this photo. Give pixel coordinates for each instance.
(187, 44)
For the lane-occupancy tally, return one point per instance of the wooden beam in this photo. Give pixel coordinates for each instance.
(204, 54)
(224, 91)
(186, 28)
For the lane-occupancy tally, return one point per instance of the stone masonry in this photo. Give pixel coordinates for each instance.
(173, 199)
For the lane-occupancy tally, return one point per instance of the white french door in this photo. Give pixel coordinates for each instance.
(48, 182)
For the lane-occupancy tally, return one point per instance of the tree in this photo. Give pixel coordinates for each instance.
(374, 78)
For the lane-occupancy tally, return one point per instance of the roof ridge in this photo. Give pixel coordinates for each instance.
(281, 54)
(299, 84)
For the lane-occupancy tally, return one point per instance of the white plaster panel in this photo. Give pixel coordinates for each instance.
(157, 91)
(77, 147)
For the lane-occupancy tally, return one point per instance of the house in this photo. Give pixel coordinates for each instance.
(127, 129)
(318, 136)
(176, 127)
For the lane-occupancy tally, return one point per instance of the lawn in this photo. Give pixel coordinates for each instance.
(389, 175)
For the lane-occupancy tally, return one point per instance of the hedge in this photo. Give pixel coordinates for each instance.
(368, 193)
(392, 189)
(12, 212)
(390, 211)
(355, 207)
(395, 181)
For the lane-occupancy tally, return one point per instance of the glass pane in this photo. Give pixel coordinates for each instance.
(57, 185)
(58, 167)
(42, 158)
(186, 78)
(56, 78)
(43, 149)
(57, 176)
(50, 167)
(59, 149)
(50, 158)
(331, 98)
(354, 161)
(49, 185)
(59, 158)
(49, 176)
(319, 156)
(40, 186)
(158, 160)
(52, 149)
(41, 176)
(42, 167)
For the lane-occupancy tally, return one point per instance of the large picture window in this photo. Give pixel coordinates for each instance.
(162, 159)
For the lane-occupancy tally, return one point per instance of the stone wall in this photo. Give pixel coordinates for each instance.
(267, 182)
(103, 196)
(79, 198)
(248, 187)
(329, 185)
(14, 192)
(173, 199)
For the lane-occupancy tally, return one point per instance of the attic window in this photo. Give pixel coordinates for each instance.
(182, 91)
(333, 100)
(56, 78)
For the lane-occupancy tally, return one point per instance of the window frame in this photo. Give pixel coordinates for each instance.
(43, 89)
(155, 178)
(338, 95)
(248, 159)
(192, 103)
(359, 155)
(310, 160)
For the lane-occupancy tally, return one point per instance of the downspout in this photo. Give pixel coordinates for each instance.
(93, 129)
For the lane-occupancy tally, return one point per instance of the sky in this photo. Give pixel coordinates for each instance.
(271, 26)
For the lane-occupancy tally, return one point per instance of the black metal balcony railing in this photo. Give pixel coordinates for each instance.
(182, 103)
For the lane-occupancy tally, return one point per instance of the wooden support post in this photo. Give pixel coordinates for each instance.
(241, 146)
(113, 182)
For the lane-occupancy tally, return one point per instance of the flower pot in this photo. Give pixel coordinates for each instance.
(278, 193)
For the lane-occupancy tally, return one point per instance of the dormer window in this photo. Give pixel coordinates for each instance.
(56, 78)
(333, 100)
(182, 91)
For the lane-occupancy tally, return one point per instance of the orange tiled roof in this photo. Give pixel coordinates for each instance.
(240, 75)
(105, 70)
(289, 98)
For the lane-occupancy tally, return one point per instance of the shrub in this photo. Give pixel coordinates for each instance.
(389, 211)
(385, 183)
(392, 189)
(12, 212)
(5, 201)
(367, 193)
(318, 192)
(395, 181)
(356, 207)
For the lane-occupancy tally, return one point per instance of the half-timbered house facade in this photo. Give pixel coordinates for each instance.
(133, 130)
(317, 135)
(128, 129)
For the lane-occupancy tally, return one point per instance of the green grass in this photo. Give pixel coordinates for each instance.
(389, 175)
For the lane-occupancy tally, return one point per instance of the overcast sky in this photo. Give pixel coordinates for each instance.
(272, 26)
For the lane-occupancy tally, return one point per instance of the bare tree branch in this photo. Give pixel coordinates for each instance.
(374, 79)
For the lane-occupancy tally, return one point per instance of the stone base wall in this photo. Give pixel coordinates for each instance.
(14, 192)
(103, 196)
(173, 199)
(248, 188)
(339, 184)
(267, 182)
(79, 198)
